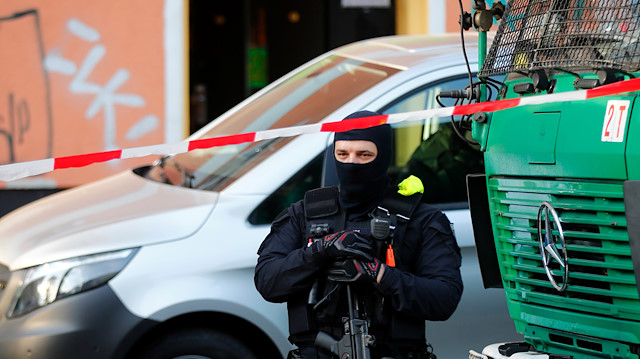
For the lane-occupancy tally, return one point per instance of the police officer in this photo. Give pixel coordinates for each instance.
(310, 274)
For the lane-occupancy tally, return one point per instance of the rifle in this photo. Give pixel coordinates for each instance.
(356, 339)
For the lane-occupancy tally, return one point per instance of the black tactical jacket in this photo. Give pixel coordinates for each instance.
(425, 284)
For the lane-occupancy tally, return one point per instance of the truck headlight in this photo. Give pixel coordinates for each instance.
(46, 283)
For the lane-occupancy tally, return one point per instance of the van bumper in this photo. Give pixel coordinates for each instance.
(93, 324)
(520, 350)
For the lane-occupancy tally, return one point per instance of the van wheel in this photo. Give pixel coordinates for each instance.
(196, 344)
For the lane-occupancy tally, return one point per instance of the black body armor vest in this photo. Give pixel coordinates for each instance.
(318, 309)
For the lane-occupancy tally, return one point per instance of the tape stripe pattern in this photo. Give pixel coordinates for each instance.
(20, 170)
(221, 141)
(85, 160)
(167, 149)
(25, 169)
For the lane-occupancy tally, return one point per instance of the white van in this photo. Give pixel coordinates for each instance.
(158, 262)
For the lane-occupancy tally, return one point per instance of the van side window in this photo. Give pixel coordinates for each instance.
(431, 150)
(291, 191)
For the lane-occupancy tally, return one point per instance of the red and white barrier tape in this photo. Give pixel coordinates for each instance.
(20, 170)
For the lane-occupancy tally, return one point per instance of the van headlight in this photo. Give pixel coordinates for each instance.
(46, 283)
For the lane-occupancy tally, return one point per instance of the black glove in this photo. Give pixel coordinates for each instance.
(352, 270)
(347, 244)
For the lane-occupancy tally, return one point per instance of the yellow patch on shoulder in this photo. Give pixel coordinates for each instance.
(410, 185)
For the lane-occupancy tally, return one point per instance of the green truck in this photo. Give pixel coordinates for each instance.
(557, 212)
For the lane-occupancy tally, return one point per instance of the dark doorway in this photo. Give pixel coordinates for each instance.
(218, 43)
(295, 34)
(354, 23)
(238, 47)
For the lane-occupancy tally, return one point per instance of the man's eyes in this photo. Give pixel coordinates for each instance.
(360, 154)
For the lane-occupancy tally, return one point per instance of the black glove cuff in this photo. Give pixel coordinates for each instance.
(314, 247)
(317, 249)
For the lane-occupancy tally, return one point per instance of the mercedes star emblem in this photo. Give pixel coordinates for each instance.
(548, 244)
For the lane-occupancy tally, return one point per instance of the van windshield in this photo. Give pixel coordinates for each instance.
(305, 98)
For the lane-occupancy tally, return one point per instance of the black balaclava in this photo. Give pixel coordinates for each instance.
(362, 186)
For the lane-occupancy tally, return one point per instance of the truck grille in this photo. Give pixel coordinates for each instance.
(601, 279)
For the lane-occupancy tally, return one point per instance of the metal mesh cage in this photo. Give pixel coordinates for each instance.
(566, 34)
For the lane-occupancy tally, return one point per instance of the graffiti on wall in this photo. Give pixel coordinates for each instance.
(26, 129)
(105, 97)
(80, 77)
